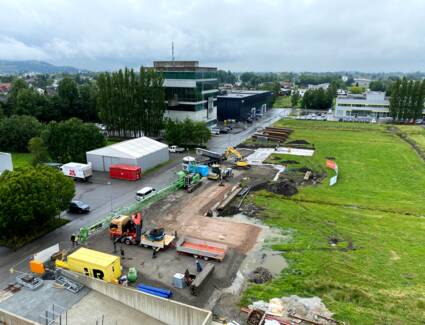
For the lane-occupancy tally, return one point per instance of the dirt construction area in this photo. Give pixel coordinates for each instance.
(185, 213)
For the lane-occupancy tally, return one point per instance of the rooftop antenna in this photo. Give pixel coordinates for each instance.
(172, 52)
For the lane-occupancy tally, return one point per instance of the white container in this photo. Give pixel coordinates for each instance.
(178, 281)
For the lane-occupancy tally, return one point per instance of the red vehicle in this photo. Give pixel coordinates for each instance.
(127, 172)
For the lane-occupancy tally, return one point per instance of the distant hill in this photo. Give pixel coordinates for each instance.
(17, 67)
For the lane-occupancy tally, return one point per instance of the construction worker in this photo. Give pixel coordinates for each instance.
(198, 266)
(137, 221)
(73, 240)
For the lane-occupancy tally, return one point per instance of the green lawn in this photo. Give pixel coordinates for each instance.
(21, 160)
(377, 204)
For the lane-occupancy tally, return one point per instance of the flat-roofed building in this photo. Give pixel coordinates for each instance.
(370, 104)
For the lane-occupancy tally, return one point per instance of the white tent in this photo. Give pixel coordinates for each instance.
(144, 152)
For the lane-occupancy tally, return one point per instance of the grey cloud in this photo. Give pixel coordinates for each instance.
(268, 35)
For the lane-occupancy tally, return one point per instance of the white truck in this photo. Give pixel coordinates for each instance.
(78, 171)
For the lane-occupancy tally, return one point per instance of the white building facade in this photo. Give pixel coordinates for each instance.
(372, 104)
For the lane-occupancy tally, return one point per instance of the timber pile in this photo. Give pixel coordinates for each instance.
(273, 134)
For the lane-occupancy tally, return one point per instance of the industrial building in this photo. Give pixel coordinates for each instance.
(190, 90)
(5, 162)
(143, 152)
(241, 105)
(370, 104)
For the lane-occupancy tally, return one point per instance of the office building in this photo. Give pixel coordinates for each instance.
(191, 90)
(370, 104)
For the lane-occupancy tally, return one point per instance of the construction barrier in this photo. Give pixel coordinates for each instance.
(165, 310)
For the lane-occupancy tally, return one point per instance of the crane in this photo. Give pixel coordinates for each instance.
(239, 161)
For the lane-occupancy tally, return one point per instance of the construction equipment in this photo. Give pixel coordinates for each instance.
(219, 173)
(68, 284)
(92, 263)
(214, 156)
(29, 281)
(239, 161)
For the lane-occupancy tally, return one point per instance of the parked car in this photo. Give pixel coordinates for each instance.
(78, 207)
(225, 130)
(144, 193)
(176, 149)
(215, 131)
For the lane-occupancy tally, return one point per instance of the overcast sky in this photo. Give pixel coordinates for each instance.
(240, 35)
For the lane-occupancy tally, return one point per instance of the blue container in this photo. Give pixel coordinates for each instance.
(203, 170)
(192, 168)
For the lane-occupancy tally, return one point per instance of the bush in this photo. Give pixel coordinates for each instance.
(69, 140)
(30, 198)
(16, 131)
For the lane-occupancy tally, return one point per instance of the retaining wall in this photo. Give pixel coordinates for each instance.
(8, 318)
(165, 310)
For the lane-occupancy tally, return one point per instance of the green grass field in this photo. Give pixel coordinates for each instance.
(415, 132)
(377, 205)
(283, 102)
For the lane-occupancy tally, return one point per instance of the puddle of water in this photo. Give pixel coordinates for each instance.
(275, 263)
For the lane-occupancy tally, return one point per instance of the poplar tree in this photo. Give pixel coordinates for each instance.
(132, 104)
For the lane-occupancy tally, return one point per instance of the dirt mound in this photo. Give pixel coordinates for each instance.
(298, 142)
(260, 275)
(285, 187)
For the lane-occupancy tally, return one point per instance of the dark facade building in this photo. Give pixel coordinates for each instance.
(241, 105)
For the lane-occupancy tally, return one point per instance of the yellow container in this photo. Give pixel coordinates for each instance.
(37, 267)
(92, 263)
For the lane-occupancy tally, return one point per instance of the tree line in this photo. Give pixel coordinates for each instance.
(62, 141)
(71, 100)
(131, 104)
(407, 99)
(319, 99)
(186, 133)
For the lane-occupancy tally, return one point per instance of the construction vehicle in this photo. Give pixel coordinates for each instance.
(239, 161)
(121, 226)
(92, 263)
(124, 229)
(219, 173)
(212, 155)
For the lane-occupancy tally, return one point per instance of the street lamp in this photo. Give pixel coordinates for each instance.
(110, 193)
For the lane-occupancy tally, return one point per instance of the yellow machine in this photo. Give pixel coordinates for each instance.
(92, 263)
(239, 161)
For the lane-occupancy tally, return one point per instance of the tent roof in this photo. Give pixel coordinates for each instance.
(134, 148)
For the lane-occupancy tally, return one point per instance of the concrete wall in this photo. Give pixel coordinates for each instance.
(8, 318)
(164, 310)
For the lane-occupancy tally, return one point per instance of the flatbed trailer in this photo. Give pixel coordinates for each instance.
(201, 248)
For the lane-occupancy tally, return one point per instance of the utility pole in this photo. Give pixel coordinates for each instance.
(172, 52)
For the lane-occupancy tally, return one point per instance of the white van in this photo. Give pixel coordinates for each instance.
(144, 193)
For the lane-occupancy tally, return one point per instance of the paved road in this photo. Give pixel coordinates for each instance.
(105, 194)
